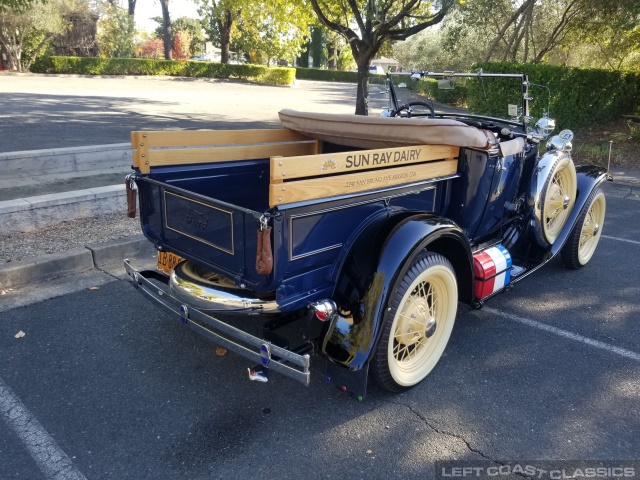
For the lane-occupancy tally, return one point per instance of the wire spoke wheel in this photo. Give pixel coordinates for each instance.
(584, 238)
(558, 199)
(415, 337)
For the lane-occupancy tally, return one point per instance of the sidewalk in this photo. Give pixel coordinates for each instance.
(62, 212)
(40, 188)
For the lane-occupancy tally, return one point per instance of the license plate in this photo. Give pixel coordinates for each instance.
(168, 260)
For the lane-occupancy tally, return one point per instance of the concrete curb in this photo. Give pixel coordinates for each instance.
(32, 213)
(54, 265)
(46, 267)
(33, 163)
(115, 251)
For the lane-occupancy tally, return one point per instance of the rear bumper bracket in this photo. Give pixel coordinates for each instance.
(283, 361)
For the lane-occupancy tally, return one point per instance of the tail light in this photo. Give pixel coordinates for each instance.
(324, 310)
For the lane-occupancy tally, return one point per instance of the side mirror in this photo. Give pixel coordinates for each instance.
(545, 127)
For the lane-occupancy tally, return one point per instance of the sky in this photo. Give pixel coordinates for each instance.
(146, 9)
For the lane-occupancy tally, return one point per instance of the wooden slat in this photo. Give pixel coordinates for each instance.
(302, 190)
(134, 144)
(134, 139)
(194, 138)
(222, 154)
(329, 164)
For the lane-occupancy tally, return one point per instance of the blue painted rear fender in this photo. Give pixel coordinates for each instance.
(369, 276)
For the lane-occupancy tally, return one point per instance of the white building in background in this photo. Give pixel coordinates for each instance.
(386, 63)
(214, 54)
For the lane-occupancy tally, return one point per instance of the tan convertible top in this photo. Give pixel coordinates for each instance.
(384, 132)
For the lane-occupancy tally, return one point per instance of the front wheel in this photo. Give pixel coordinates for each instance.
(584, 237)
(418, 325)
(557, 198)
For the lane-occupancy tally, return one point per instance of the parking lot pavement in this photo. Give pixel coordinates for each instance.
(51, 111)
(124, 391)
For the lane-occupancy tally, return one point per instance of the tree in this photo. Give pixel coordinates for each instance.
(131, 5)
(266, 29)
(317, 47)
(338, 52)
(181, 42)
(274, 30)
(218, 18)
(115, 33)
(21, 21)
(589, 33)
(432, 50)
(375, 23)
(152, 48)
(610, 38)
(191, 26)
(17, 5)
(167, 33)
(532, 29)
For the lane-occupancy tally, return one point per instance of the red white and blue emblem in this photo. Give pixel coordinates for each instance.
(492, 270)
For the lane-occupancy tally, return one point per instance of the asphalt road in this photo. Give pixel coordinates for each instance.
(55, 111)
(105, 386)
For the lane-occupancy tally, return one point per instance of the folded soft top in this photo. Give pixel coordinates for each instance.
(384, 132)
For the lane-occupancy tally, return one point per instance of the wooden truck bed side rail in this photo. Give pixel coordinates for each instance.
(301, 178)
(154, 148)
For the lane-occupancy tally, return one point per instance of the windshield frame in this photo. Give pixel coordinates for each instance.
(524, 93)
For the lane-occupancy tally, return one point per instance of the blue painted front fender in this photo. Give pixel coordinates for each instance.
(588, 178)
(370, 275)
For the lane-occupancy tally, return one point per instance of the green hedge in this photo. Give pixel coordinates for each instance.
(579, 97)
(334, 75)
(326, 75)
(145, 66)
(429, 88)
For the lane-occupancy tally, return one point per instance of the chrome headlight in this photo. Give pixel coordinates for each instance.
(544, 127)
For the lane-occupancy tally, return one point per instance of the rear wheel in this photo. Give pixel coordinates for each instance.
(584, 238)
(418, 327)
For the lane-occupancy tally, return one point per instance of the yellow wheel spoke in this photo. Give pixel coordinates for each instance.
(556, 204)
(403, 334)
(561, 186)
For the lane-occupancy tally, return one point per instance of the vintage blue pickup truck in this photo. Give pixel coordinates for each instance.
(355, 238)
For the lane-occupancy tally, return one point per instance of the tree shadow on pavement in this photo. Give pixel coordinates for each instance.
(38, 121)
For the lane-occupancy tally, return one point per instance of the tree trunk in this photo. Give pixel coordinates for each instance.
(332, 63)
(14, 62)
(225, 39)
(225, 36)
(167, 37)
(527, 34)
(37, 51)
(9, 40)
(504, 28)
(362, 96)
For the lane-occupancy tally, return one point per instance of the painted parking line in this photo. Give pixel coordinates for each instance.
(566, 334)
(52, 461)
(635, 242)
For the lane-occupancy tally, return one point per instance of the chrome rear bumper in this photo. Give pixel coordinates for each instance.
(208, 297)
(274, 358)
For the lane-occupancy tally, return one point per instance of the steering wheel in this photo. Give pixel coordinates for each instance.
(407, 107)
